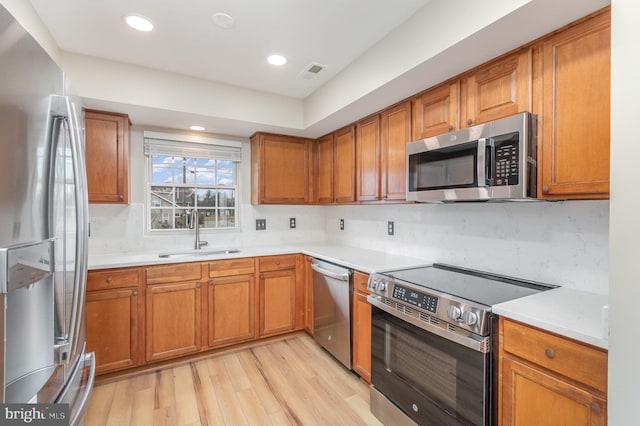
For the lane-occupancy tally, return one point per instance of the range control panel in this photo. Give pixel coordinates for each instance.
(416, 298)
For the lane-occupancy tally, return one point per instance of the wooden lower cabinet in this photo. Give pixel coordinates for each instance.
(173, 320)
(112, 328)
(277, 301)
(534, 397)
(546, 379)
(308, 295)
(361, 327)
(231, 309)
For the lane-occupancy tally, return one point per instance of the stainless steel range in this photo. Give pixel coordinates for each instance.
(431, 343)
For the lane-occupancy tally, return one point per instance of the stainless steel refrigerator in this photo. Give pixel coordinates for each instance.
(43, 230)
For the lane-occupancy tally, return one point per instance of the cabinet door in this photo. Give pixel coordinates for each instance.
(112, 328)
(368, 159)
(533, 397)
(395, 134)
(173, 320)
(361, 327)
(436, 111)
(324, 149)
(576, 108)
(344, 162)
(231, 309)
(281, 170)
(107, 157)
(277, 301)
(499, 89)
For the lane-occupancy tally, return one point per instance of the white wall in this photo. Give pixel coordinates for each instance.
(562, 243)
(624, 342)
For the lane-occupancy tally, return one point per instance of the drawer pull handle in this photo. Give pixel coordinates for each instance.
(595, 407)
(108, 280)
(549, 353)
(135, 292)
(277, 263)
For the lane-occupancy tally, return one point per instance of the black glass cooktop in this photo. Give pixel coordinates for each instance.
(479, 287)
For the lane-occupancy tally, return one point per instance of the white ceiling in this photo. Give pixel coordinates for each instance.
(185, 40)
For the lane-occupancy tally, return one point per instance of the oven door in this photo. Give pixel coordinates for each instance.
(433, 380)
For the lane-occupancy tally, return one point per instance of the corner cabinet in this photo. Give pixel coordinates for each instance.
(282, 169)
(107, 156)
(548, 379)
(575, 134)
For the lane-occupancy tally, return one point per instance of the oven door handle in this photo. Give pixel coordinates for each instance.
(479, 344)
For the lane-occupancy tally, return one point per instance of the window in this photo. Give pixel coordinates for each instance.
(187, 173)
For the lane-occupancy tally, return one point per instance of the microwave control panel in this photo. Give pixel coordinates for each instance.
(507, 155)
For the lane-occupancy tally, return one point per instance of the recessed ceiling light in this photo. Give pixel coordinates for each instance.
(138, 22)
(222, 20)
(197, 128)
(277, 60)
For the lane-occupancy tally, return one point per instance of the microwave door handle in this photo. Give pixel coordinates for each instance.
(484, 159)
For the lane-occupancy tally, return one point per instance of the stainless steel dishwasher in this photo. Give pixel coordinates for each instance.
(331, 309)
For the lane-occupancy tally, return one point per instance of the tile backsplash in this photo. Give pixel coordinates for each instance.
(563, 243)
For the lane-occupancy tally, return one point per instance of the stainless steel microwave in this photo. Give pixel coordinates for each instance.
(491, 161)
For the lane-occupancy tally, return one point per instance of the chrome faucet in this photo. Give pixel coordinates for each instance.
(195, 222)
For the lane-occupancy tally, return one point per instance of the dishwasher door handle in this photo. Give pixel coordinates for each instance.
(330, 274)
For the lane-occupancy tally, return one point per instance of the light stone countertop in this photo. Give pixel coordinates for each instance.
(364, 260)
(569, 312)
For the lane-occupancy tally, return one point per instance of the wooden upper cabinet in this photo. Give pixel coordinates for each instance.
(368, 159)
(107, 156)
(324, 158)
(574, 144)
(344, 165)
(395, 133)
(498, 89)
(436, 111)
(281, 169)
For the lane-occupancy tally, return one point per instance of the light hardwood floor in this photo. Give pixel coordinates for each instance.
(289, 381)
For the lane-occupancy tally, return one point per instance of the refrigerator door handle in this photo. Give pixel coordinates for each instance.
(66, 119)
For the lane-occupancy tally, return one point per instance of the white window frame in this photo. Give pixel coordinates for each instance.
(189, 146)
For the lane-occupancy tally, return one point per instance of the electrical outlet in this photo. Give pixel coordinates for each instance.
(292, 222)
(261, 224)
(390, 227)
(342, 224)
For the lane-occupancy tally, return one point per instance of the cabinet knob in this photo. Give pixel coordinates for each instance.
(469, 122)
(108, 280)
(595, 407)
(135, 292)
(198, 285)
(549, 353)
(277, 263)
(545, 189)
(262, 276)
(450, 127)
(210, 282)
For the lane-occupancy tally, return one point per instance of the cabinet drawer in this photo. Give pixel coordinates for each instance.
(173, 273)
(579, 362)
(226, 268)
(276, 263)
(360, 281)
(112, 278)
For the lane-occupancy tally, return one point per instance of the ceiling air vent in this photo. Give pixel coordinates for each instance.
(311, 71)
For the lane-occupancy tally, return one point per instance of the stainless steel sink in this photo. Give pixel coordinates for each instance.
(191, 253)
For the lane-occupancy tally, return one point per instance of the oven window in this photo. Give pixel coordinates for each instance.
(446, 168)
(432, 379)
